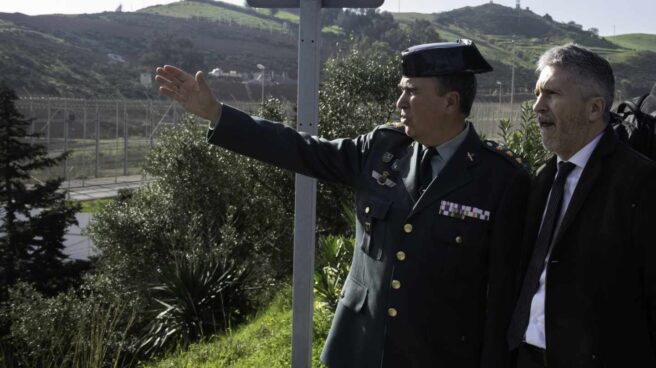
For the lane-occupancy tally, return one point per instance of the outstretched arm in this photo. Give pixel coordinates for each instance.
(191, 92)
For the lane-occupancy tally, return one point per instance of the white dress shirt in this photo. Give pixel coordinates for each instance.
(535, 334)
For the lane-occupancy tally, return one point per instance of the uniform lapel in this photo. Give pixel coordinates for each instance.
(455, 174)
(586, 182)
(408, 169)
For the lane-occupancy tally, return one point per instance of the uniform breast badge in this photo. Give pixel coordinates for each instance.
(462, 211)
(383, 179)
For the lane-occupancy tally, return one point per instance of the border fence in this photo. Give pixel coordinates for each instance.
(110, 138)
(106, 138)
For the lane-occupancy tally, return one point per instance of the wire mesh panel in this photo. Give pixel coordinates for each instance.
(104, 137)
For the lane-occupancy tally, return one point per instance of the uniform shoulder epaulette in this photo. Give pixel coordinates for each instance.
(504, 152)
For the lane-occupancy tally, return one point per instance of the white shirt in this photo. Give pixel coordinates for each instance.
(535, 334)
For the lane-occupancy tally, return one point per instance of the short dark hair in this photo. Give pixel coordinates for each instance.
(464, 84)
(591, 72)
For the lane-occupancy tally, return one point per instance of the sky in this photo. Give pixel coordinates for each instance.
(635, 16)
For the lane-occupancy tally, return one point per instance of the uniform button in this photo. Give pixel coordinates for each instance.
(367, 209)
(396, 284)
(407, 228)
(392, 312)
(400, 255)
(458, 239)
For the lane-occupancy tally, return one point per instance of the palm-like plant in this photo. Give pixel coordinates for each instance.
(196, 296)
(333, 263)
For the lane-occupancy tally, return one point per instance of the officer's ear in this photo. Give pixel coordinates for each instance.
(452, 102)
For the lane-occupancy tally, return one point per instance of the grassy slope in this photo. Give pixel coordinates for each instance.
(635, 41)
(264, 342)
(189, 9)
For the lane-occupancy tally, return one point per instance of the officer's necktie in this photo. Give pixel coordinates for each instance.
(521, 315)
(426, 170)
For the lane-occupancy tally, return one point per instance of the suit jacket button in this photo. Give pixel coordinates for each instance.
(392, 312)
(459, 239)
(407, 228)
(396, 284)
(400, 255)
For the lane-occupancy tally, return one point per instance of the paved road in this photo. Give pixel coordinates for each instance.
(77, 245)
(97, 188)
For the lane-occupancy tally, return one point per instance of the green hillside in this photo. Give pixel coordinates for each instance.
(69, 55)
(504, 34)
(635, 41)
(217, 11)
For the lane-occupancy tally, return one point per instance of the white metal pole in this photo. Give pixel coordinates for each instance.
(305, 196)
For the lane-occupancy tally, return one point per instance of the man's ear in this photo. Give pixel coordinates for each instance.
(452, 102)
(596, 107)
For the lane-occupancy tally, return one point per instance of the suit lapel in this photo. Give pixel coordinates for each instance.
(408, 166)
(455, 174)
(588, 178)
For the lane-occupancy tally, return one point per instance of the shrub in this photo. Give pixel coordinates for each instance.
(68, 330)
(196, 297)
(525, 141)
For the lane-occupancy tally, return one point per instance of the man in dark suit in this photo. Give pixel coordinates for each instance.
(439, 215)
(588, 297)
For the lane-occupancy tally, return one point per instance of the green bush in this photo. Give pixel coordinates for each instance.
(68, 330)
(525, 141)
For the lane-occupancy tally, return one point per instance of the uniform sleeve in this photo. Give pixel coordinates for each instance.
(338, 160)
(505, 245)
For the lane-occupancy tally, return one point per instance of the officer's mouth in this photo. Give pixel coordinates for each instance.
(545, 124)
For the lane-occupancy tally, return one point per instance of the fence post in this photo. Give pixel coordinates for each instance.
(116, 147)
(66, 123)
(125, 139)
(48, 128)
(97, 140)
(150, 123)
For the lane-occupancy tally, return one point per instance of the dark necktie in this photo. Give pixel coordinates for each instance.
(531, 283)
(426, 170)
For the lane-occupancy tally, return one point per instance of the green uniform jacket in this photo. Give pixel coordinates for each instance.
(432, 278)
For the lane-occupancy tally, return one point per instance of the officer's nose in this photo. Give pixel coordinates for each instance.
(402, 102)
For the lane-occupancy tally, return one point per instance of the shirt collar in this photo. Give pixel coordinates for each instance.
(449, 148)
(580, 158)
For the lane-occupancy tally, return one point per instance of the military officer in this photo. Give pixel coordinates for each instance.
(439, 214)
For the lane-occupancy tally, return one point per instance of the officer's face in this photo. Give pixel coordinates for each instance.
(421, 109)
(562, 113)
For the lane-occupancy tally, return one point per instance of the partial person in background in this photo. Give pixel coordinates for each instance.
(588, 295)
(439, 214)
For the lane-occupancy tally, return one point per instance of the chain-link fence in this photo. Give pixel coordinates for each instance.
(488, 110)
(110, 138)
(106, 138)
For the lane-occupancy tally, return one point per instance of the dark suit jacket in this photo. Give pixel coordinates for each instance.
(601, 277)
(457, 266)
